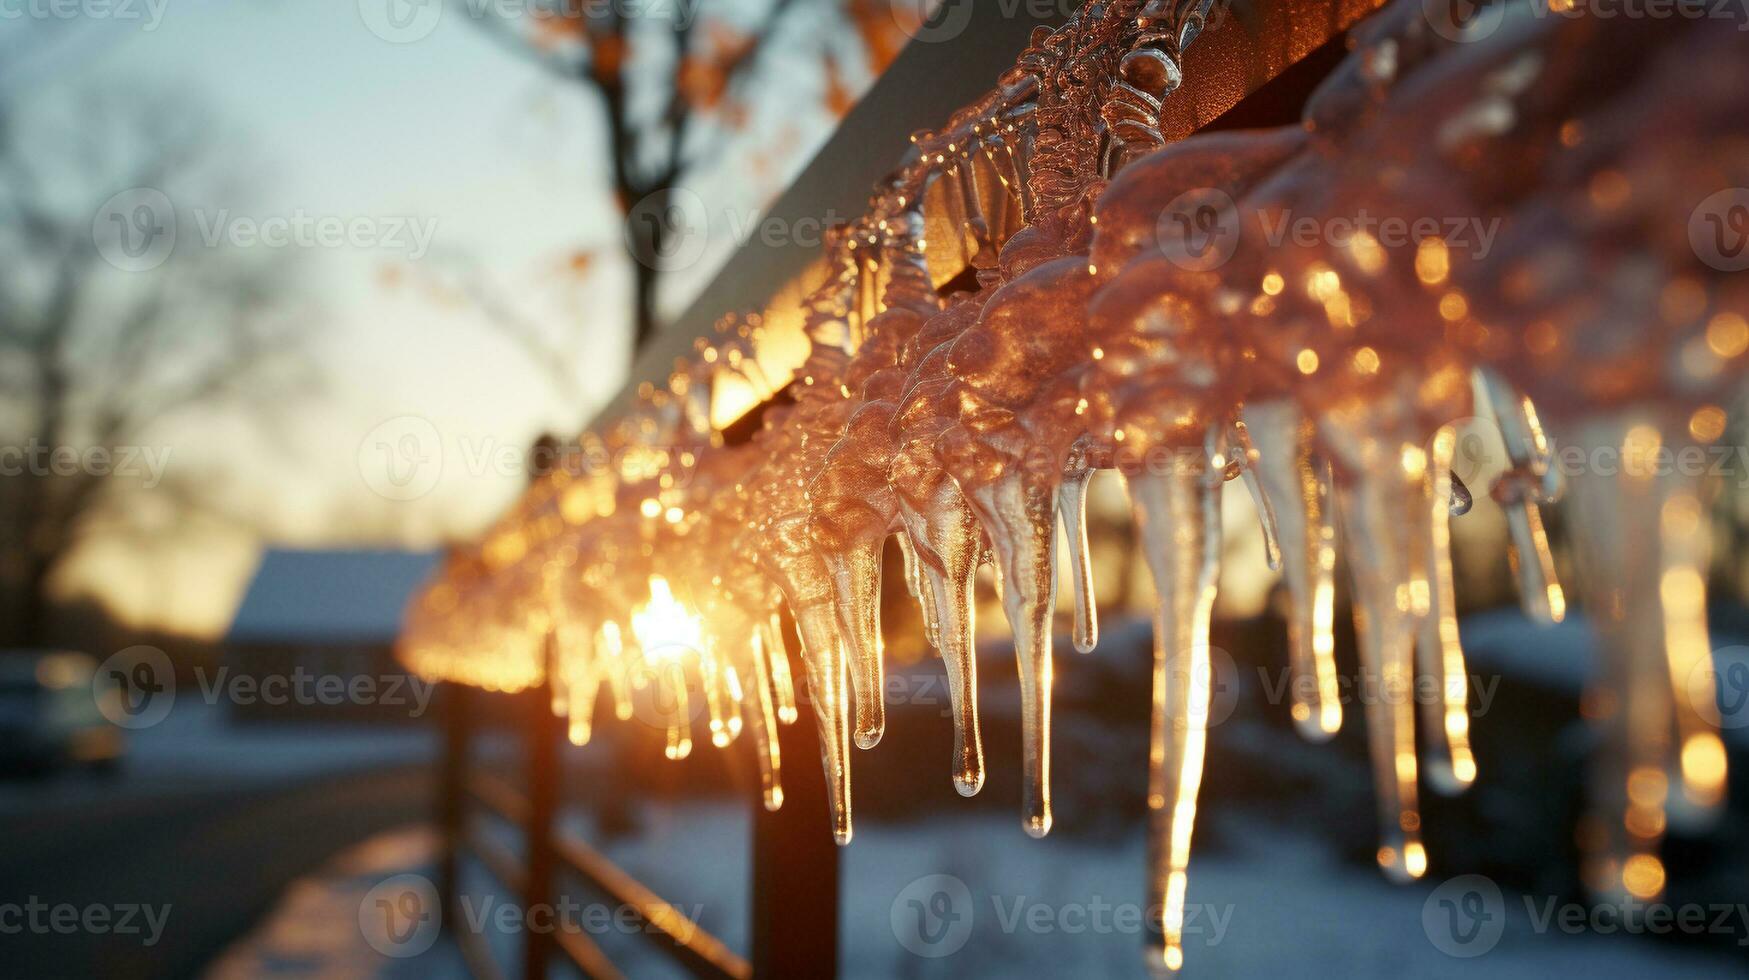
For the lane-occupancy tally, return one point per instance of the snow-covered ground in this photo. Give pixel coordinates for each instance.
(1274, 902)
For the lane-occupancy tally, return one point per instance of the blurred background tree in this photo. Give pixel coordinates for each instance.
(96, 353)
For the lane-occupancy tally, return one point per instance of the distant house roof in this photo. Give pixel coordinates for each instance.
(330, 596)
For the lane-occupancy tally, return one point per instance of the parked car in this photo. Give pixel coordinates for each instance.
(51, 715)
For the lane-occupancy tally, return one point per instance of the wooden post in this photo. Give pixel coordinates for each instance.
(451, 791)
(543, 731)
(795, 863)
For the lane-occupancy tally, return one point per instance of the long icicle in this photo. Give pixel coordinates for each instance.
(1072, 505)
(559, 677)
(764, 721)
(670, 680)
(918, 587)
(710, 678)
(1298, 489)
(948, 544)
(1384, 511)
(823, 655)
(783, 687)
(1635, 607)
(1178, 517)
(1700, 756)
(729, 677)
(1245, 454)
(1451, 765)
(583, 669)
(855, 578)
(1023, 528)
(611, 641)
(1527, 481)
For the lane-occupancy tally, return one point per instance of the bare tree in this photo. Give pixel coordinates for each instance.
(675, 81)
(98, 347)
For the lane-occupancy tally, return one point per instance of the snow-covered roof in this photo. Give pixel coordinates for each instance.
(334, 596)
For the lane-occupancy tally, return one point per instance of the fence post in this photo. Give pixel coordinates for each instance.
(795, 864)
(543, 732)
(451, 789)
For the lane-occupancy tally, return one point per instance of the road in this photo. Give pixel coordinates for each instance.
(200, 833)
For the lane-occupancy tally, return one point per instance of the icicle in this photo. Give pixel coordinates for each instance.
(913, 584)
(585, 683)
(1178, 517)
(855, 577)
(558, 679)
(1528, 480)
(783, 688)
(1072, 505)
(1446, 717)
(1298, 490)
(732, 696)
(764, 721)
(918, 586)
(581, 670)
(1382, 498)
(949, 546)
(824, 657)
(619, 678)
(670, 681)
(710, 678)
(1246, 456)
(1023, 527)
(1643, 587)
